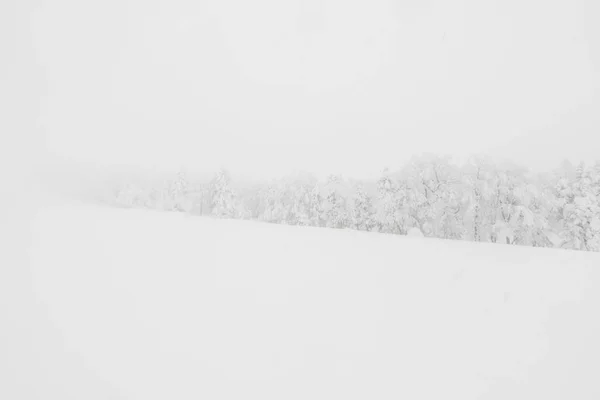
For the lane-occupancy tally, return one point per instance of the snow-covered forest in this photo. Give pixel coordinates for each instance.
(431, 195)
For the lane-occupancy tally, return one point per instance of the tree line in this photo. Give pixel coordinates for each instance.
(478, 201)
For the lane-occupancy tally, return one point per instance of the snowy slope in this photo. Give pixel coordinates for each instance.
(131, 304)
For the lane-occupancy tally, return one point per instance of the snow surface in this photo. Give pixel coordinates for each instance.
(133, 304)
(415, 232)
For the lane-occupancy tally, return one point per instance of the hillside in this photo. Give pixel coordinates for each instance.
(133, 304)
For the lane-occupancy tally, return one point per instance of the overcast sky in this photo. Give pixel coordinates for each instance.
(268, 86)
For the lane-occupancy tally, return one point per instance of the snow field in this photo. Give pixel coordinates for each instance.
(132, 304)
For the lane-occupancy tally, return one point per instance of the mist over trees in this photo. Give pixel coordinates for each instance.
(479, 201)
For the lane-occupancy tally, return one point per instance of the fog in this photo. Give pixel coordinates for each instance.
(267, 87)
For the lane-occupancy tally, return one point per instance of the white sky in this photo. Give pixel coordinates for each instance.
(267, 86)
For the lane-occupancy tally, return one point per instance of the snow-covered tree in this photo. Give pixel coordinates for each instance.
(477, 192)
(433, 202)
(579, 211)
(223, 197)
(508, 207)
(362, 213)
(316, 211)
(392, 205)
(179, 192)
(335, 210)
(300, 197)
